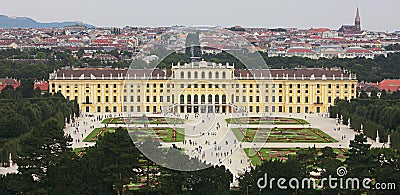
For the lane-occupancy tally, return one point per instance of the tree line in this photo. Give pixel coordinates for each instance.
(371, 70)
(378, 164)
(374, 114)
(106, 168)
(23, 110)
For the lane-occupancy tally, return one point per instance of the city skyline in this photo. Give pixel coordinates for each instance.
(310, 14)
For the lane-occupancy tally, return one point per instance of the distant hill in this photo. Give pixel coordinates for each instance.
(24, 22)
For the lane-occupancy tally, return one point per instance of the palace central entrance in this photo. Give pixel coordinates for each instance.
(204, 108)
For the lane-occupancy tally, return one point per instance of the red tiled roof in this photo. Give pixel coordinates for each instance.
(6, 82)
(389, 85)
(299, 50)
(315, 30)
(101, 41)
(375, 49)
(43, 85)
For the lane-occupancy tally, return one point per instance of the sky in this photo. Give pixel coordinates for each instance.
(375, 15)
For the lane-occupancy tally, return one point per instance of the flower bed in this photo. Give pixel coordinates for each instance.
(161, 133)
(143, 120)
(283, 154)
(282, 135)
(266, 120)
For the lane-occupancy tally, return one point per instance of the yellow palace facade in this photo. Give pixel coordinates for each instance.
(202, 87)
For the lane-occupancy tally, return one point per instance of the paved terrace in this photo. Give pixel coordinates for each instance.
(220, 146)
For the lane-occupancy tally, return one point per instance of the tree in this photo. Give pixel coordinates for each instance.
(9, 93)
(358, 156)
(44, 148)
(26, 88)
(328, 162)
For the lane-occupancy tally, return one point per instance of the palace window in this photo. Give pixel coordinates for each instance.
(224, 99)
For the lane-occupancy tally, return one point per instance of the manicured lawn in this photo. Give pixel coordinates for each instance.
(282, 135)
(143, 120)
(284, 153)
(255, 160)
(92, 135)
(267, 120)
(165, 134)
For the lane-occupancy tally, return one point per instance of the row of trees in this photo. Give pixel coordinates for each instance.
(366, 69)
(374, 114)
(104, 169)
(50, 60)
(23, 110)
(371, 70)
(380, 165)
(26, 54)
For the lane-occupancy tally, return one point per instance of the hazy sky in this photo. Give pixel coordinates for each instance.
(380, 15)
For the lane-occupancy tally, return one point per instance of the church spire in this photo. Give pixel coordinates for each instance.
(357, 22)
(358, 14)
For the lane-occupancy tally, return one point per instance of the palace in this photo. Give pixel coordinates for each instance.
(204, 87)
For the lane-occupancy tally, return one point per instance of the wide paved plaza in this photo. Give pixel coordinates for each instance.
(210, 138)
